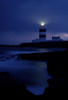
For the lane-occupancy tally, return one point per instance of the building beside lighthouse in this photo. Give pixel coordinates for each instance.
(56, 38)
(42, 35)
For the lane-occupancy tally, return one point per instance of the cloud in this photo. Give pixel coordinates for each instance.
(66, 35)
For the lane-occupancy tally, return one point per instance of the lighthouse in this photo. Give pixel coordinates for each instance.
(42, 32)
(42, 36)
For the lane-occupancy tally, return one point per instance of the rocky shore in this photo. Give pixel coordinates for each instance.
(57, 67)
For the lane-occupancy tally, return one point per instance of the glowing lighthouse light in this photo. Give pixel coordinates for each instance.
(42, 24)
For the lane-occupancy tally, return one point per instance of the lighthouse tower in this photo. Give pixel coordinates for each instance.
(42, 32)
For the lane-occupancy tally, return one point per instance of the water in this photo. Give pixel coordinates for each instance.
(31, 73)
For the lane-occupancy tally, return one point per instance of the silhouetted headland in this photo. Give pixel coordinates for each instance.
(50, 44)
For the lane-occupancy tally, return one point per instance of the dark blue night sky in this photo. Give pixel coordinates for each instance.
(20, 19)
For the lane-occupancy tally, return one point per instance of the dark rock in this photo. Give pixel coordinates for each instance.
(9, 87)
(57, 88)
(57, 67)
(58, 64)
(6, 79)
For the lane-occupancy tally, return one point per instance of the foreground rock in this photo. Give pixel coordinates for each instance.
(9, 87)
(58, 69)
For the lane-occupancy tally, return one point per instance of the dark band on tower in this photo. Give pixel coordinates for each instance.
(42, 36)
(42, 32)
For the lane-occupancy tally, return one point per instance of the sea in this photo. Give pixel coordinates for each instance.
(33, 74)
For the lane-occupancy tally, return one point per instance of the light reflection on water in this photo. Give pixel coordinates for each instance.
(17, 50)
(40, 78)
